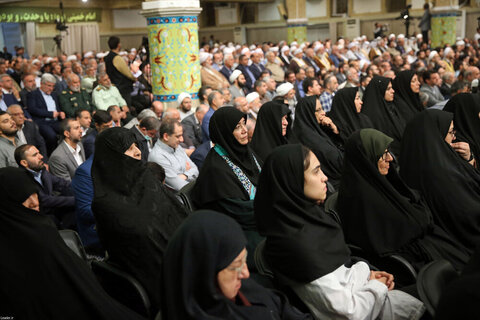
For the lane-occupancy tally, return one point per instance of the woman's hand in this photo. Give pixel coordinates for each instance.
(384, 277)
(326, 121)
(463, 149)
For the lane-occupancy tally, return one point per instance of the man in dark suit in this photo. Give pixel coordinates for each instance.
(69, 154)
(27, 130)
(199, 155)
(45, 110)
(29, 85)
(192, 125)
(102, 120)
(146, 133)
(256, 67)
(227, 66)
(54, 193)
(249, 76)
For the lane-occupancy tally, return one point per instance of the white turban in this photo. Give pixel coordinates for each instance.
(447, 51)
(284, 88)
(89, 54)
(234, 75)
(285, 48)
(252, 96)
(182, 97)
(72, 58)
(297, 51)
(203, 56)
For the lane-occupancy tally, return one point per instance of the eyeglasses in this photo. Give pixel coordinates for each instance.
(452, 132)
(239, 269)
(386, 154)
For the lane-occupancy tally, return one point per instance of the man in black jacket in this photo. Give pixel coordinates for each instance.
(59, 206)
(146, 133)
(27, 130)
(118, 70)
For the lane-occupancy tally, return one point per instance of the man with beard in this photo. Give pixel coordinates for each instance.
(237, 89)
(29, 85)
(75, 98)
(184, 105)
(8, 140)
(69, 154)
(27, 131)
(54, 193)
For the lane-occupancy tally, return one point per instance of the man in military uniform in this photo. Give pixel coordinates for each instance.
(106, 95)
(75, 98)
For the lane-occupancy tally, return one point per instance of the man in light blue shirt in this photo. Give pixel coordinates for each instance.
(167, 152)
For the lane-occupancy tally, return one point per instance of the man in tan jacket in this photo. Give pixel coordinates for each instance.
(210, 76)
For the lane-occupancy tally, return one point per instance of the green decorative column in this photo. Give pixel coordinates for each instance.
(297, 30)
(444, 26)
(173, 40)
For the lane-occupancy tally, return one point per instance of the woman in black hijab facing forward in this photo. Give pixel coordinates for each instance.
(306, 249)
(346, 112)
(206, 276)
(378, 105)
(272, 128)
(228, 179)
(372, 197)
(466, 119)
(407, 99)
(135, 214)
(41, 278)
(308, 131)
(433, 164)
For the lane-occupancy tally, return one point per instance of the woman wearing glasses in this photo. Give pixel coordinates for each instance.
(206, 276)
(443, 169)
(381, 214)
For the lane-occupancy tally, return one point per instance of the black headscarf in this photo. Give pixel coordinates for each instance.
(383, 114)
(303, 242)
(407, 102)
(135, 214)
(216, 179)
(465, 108)
(344, 113)
(268, 128)
(205, 244)
(308, 132)
(41, 278)
(369, 202)
(451, 186)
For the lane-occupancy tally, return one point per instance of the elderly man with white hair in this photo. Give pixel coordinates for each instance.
(297, 61)
(254, 104)
(286, 93)
(45, 110)
(184, 105)
(210, 76)
(277, 71)
(227, 68)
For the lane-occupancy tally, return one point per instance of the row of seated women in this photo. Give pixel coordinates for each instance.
(136, 217)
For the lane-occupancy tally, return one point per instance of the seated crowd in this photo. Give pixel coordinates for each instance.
(246, 204)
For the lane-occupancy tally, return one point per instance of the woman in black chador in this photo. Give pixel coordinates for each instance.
(381, 214)
(444, 172)
(379, 106)
(272, 128)
(40, 277)
(206, 276)
(466, 119)
(135, 214)
(308, 131)
(347, 112)
(407, 99)
(228, 179)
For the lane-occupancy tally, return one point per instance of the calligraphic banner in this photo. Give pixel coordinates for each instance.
(49, 15)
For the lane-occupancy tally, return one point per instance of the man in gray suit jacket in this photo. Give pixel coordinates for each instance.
(431, 84)
(69, 154)
(192, 125)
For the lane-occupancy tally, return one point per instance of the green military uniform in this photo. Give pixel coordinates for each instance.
(71, 101)
(105, 97)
